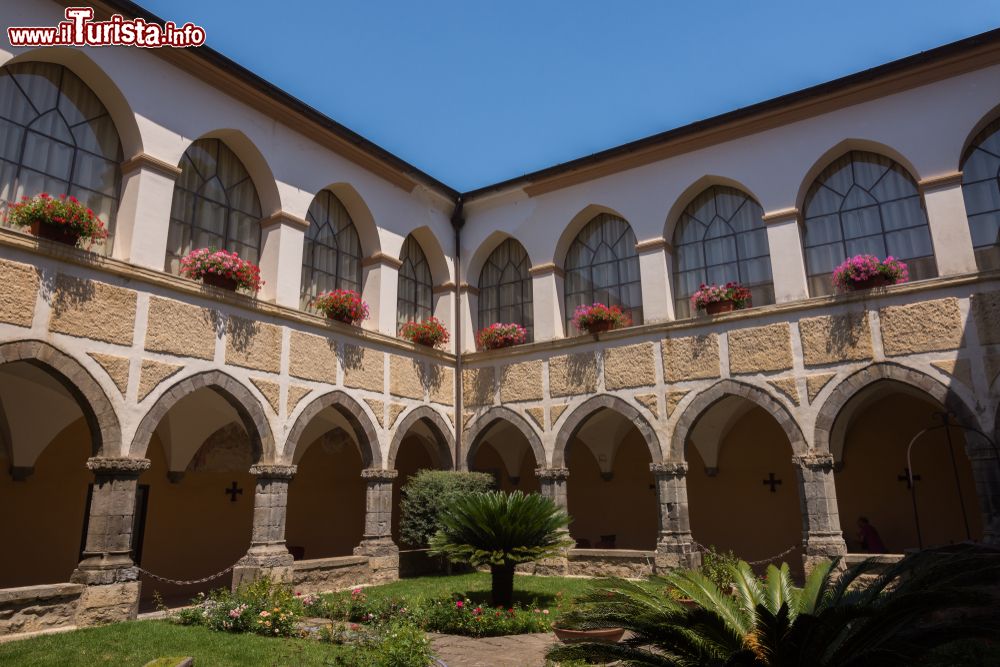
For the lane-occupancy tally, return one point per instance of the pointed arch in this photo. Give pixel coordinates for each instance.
(505, 289)
(578, 417)
(445, 440)
(496, 414)
(695, 189)
(573, 228)
(249, 409)
(351, 410)
(98, 411)
(361, 215)
(332, 252)
(256, 165)
(980, 169)
(722, 389)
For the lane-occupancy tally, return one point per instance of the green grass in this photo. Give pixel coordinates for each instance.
(138, 642)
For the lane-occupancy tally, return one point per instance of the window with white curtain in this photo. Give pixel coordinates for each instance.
(602, 266)
(981, 188)
(864, 203)
(331, 257)
(505, 287)
(57, 137)
(720, 238)
(215, 205)
(415, 297)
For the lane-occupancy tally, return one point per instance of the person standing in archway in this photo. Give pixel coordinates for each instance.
(871, 541)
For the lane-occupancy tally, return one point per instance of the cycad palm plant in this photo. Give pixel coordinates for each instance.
(859, 618)
(500, 530)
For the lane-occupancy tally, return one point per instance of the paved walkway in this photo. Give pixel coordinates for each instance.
(509, 651)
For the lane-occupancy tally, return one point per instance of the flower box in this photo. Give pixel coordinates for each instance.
(863, 272)
(599, 317)
(430, 332)
(716, 299)
(342, 305)
(63, 219)
(499, 335)
(225, 270)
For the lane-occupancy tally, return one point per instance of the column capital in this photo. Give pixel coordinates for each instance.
(382, 259)
(272, 471)
(145, 161)
(671, 468)
(379, 475)
(552, 474)
(284, 218)
(654, 245)
(115, 465)
(814, 461)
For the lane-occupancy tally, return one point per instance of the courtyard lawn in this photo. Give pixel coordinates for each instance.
(138, 642)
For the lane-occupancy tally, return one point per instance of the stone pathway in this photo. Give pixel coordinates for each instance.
(509, 651)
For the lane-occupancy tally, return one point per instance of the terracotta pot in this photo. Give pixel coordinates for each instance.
(341, 318)
(600, 326)
(687, 603)
(222, 282)
(716, 307)
(55, 233)
(874, 281)
(605, 635)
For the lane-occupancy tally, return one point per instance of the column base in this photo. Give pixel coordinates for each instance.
(112, 592)
(273, 561)
(673, 553)
(824, 547)
(383, 557)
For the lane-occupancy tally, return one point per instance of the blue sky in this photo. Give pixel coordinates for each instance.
(475, 92)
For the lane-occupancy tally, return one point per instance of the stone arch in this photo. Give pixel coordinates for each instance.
(361, 216)
(720, 390)
(692, 191)
(580, 414)
(987, 118)
(242, 400)
(474, 265)
(102, 420)
(351, 410)
(256, 165)
(491, 417)
(111, 96)
(845, 146)
(577, 223)
(445, 439)
(436, 259)
(849, 387)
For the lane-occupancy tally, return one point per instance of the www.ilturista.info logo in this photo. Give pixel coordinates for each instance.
(79, 29)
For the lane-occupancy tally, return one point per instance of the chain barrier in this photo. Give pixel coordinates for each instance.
(702, 548)
(178, 582)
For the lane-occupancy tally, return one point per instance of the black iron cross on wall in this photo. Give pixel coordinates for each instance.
(905, 477)
(772, 482)
(233, 491)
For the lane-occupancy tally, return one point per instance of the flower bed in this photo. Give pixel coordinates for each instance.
(343, 305)
(599, 317)
(63, 219)
(868, 271)
(219, 268)
(715, 299)
(499, 335)
(261, 607)
(430, 332)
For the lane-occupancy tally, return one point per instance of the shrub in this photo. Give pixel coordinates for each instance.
(343, 305)
(260, 607)
(204, 261)
(429, 332)
(706, 294)
(856, 271)
(64, 212)
(717, 566)
(424, 496)
(500, 335)
(598, 315)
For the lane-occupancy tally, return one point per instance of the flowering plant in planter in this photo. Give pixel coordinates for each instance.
(221, 269)
(867, 271)
(599, 317)
(721, 298)
(343, 305)
(499, 335)
(429, 332)
(62, 219)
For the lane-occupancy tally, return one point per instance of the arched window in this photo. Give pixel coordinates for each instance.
(331, 258)
(505, 287)
(57, 137)
(981, 187)
(602, 266)
(720, 237)
(215, 205)
(415, 299)
(864, 203)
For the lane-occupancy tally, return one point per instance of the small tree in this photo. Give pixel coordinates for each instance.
(428, 492)
(500, 530)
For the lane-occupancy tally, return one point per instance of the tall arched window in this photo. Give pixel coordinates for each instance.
(415, 298)
(215, 205)
(981, 187)
(57, 137)
(602, 266)
(864, 203)
(331, 257)
(505, 287)
(720, 237)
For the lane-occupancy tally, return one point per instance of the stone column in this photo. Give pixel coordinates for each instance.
(107, 569)
(381, 286)
(444, 309)
(143, 219)
(949, 224)
(376, 543)
(268, 554)
(822, 537)
(282, 245)
(657, 297)
(784, 241)
(547, 301)
(553, 483)
(675, 544)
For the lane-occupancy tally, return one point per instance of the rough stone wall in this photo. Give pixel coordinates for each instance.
(35, 608)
